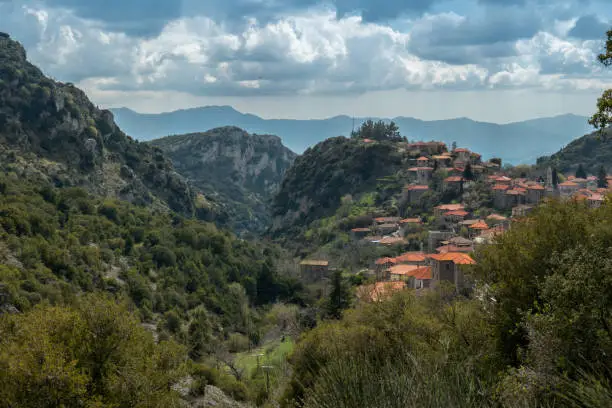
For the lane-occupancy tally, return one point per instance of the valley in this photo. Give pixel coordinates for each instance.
(195, 259)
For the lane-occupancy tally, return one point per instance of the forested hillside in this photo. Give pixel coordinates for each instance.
(52, 129)
(590, 151)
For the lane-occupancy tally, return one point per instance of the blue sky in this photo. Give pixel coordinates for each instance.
(495, 60)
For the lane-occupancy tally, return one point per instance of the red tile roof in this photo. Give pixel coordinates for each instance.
(403, 270)
(455, 257)
(458, 213)
(479, 226)
(461, 150)
(450, 207)
(413, 188)
(411, 257)
(569, 184)
(500, 187)
(423, 273)
(420, 168)
(535, 187)
(391, 241)
(496, 217)
(423, 158)
(410, 221)
(360, 230)
(515, 192)
(380, 290)
(453, 179)
(384, 261)
(504, 179)
(454, 248)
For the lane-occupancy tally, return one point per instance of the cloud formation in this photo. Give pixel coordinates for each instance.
(274, 47)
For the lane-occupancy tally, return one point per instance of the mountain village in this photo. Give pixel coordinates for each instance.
(453, 231)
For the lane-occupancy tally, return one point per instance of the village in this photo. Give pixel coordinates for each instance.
(453, 230)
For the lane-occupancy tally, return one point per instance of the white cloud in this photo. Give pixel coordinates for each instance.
(314, 53)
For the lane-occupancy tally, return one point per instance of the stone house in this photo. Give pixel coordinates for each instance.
(444, 208)
(535, 193)
(413, 193)
(447, 267)
(410, 225)
(453, 183)
(422, 175)
(499, 195)
(462, 155)
(568, 188)
(314, 270)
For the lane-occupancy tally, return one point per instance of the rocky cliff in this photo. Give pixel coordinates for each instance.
(241, 172)
(51, 130)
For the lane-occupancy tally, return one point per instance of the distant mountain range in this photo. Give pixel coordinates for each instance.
(516, 143)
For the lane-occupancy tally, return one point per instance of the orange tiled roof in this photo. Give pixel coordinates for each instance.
(403, 270)
(535, 187)
(496, 217)
(423, 158)
(479, 225)
(454, 248)
(504, 178)
(420, 168)
(384, 261)
(391, 241)
(411, 257)
(515, 191)
(360, 230)
(500, 187)
(450, 207)
(458, 213)
(455, 257)
(453, 179)
(461, 150)
(423, 273)
(568, 184)
(413, 188)
(410, 221)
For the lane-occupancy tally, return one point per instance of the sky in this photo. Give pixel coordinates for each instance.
(489, 60)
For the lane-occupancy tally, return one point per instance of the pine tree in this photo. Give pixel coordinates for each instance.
(339, 297)
(555, 177)
(580, 172)
(467, 172)
(602, 181)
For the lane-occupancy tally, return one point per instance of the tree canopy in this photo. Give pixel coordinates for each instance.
(377, 131)
(603, 117)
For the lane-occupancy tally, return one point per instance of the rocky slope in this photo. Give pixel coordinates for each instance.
(592, 151)
(51, 130)
(239, 171)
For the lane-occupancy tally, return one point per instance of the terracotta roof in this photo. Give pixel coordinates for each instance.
(496, 217)
(571, 177)
(453, 179)
(458, 213)
(500, 187)
(384, 261)
(596, 197)
(592, 178)
(411, 221)
(450, 207)
(423, 273)
(403, 270)
(386, 220)
(504, 178)
(535, 187)
(420, 168)
(413, 188)
(391, 241)
(454, 248)
(515, 192)
(360, 230)
(411, 257)
(455, 257)
(461, 150)
(423, 158)
(314, 263)
(479, 225)
(441, 157)
(367, 140)
(460, 241)
(569, 184)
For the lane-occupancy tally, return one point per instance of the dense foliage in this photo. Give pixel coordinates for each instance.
(591, 152)
(241, 172)
(535, 333)
(377, 131)
(91, 354)
(603, 118)
(199, 283)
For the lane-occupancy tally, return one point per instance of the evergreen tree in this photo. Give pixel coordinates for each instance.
(602, 181)
(339, 297)
(453, 146)
(468, 174)
(580, 172)
(555, 177)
